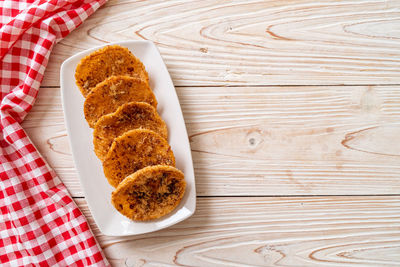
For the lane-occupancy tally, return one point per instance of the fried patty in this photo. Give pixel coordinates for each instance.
(149, 193)
(133, 115)
(106, 62)
(115, 91)
(133, 151)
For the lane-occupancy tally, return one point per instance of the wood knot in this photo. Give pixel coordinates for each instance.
(203, 50)
(254, 139)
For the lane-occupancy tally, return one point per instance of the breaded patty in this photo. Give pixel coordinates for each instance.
(106, 62)
(133, 151)
(149, 193)
(133, 115)
(115, 91)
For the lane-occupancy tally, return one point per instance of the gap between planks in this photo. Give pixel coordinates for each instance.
(266, 85)
(288, 196)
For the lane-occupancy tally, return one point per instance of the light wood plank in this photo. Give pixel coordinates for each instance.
(302, 140)
(312, 231)
(253, 42)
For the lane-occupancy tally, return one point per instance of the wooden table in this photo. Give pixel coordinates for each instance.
(293, 112)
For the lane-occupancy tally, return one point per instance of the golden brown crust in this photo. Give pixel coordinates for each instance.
(133, 115)
(133, 151)
(149, 193)
(115, 91)
(129, 135)
(106, 62)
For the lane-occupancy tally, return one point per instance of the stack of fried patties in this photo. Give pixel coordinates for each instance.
(130, 138)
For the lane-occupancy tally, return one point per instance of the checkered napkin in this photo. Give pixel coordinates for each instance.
(40, 225)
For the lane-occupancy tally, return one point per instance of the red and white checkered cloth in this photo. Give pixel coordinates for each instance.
(40, 225)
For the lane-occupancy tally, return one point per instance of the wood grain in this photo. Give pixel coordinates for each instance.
(259, 231)
(277, 140)
(258, 127)
(296, 42)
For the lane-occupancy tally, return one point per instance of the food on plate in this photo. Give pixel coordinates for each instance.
(115, 91)
(106, 62)
(149, 193)
(129, 136)
(133, 115)
(133, 151)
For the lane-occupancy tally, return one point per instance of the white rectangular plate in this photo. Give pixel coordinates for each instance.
(95, 186)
